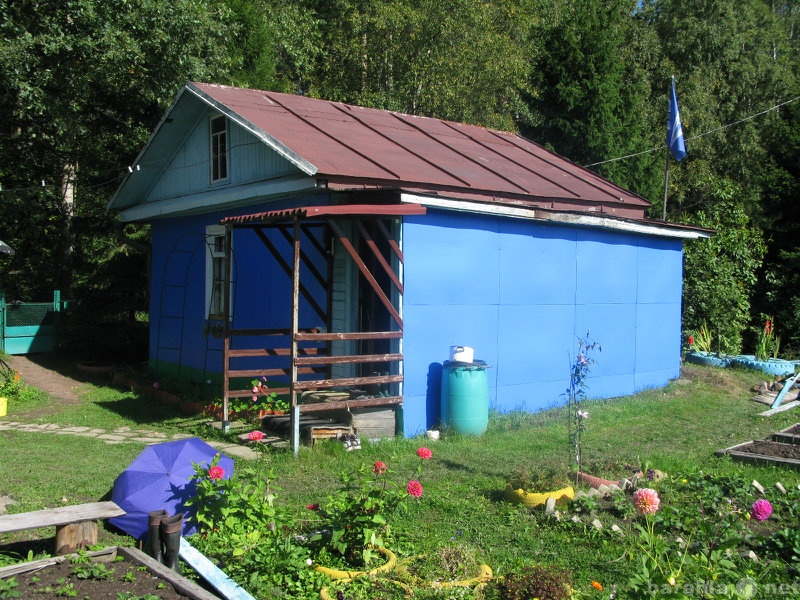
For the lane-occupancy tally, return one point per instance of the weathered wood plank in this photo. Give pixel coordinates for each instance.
(346, 359)
(104, 555)
(345, 382)
(183, 585)
(62, 515)
(354, 335)
(323, 406)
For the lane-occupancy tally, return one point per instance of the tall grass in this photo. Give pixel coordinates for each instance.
(676, 429)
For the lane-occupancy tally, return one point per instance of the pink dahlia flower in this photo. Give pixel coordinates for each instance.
(414, 488)
(761, 510)
(424, 453)
(646, 501)
(216, 472)
(255, 436)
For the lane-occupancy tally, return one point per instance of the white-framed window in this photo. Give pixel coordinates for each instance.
(218, 130)
(215, 271)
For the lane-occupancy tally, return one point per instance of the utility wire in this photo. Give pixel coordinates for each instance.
(698, 136)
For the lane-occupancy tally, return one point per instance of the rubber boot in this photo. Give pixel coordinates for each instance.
(171, 528)
(153, 543)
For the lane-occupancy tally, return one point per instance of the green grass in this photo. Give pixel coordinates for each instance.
(676, 429)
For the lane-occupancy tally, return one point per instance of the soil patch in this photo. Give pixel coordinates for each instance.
(51, 373)
(773, 449)
(717, 378)
(118, 579)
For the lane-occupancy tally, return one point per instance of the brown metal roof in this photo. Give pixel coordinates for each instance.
(310, 212)
(354, 147)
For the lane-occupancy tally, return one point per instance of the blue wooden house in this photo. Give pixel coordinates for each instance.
(343, 250)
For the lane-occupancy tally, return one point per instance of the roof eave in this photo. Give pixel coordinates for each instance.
(596, 221)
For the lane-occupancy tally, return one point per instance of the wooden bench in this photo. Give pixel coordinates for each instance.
(76, 525)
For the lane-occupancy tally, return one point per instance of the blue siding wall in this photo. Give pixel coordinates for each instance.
(522, 294)
(262, 292)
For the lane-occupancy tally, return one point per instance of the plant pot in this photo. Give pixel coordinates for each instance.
(214, 411)
(484, 575)
(380, 582)
(708, 359)
(771, 366)
(391, 563)
(535, 499)
(191, 408)
(167, 397)
(593, 481)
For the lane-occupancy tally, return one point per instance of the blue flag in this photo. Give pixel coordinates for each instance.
(674, 130)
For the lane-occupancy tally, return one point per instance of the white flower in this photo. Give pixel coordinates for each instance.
(582, 414)
(309, 562)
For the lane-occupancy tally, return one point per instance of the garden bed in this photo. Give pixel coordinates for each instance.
(765, 452)
(108, 574)
(790, 435)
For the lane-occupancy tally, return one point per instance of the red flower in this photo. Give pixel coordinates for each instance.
(414, 488)
(424, 453)
(312, 506)
(216, 472)
(691, 340)
(255, 436)
(379, 468)
(768, 327)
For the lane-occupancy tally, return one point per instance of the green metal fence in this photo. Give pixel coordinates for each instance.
(30, 327)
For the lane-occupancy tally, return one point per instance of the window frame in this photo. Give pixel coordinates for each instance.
(215, 272)
(219, 170)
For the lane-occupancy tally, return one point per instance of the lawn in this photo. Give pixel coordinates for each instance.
(705, 500)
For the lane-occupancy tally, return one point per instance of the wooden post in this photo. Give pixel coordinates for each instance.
(70, 538)
(226, 325)
(295, 410)
(666, 187)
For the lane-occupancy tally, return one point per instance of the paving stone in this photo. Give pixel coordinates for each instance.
(111, 437)
(758, 486)
(597, 524)
(780, 488)
(75, 429)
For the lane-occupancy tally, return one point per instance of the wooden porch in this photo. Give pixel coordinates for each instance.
(309, 359)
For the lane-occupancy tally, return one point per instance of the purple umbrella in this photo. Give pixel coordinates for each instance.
(159, 478)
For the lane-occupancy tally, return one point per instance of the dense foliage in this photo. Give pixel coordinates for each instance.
(84, 82)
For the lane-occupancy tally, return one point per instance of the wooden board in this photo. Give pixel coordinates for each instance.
(62, 515)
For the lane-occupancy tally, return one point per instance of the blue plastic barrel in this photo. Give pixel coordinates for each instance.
(465, 397)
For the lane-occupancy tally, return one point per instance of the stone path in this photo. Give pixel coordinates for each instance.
(123, 435)
(44, 372)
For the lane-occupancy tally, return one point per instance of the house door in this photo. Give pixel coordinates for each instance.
(355, 306)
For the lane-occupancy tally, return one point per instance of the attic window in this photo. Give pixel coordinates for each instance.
(219, 148)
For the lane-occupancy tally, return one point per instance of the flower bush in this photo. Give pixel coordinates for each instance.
(576, 393)
(262, 398)
(767, 343)
(701, 341)
(356, 519)
(696, 543)
(241, 529)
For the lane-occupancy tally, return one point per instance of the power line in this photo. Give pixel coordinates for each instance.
(698, 136)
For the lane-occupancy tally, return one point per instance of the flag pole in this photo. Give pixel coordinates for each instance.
(666, 186)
